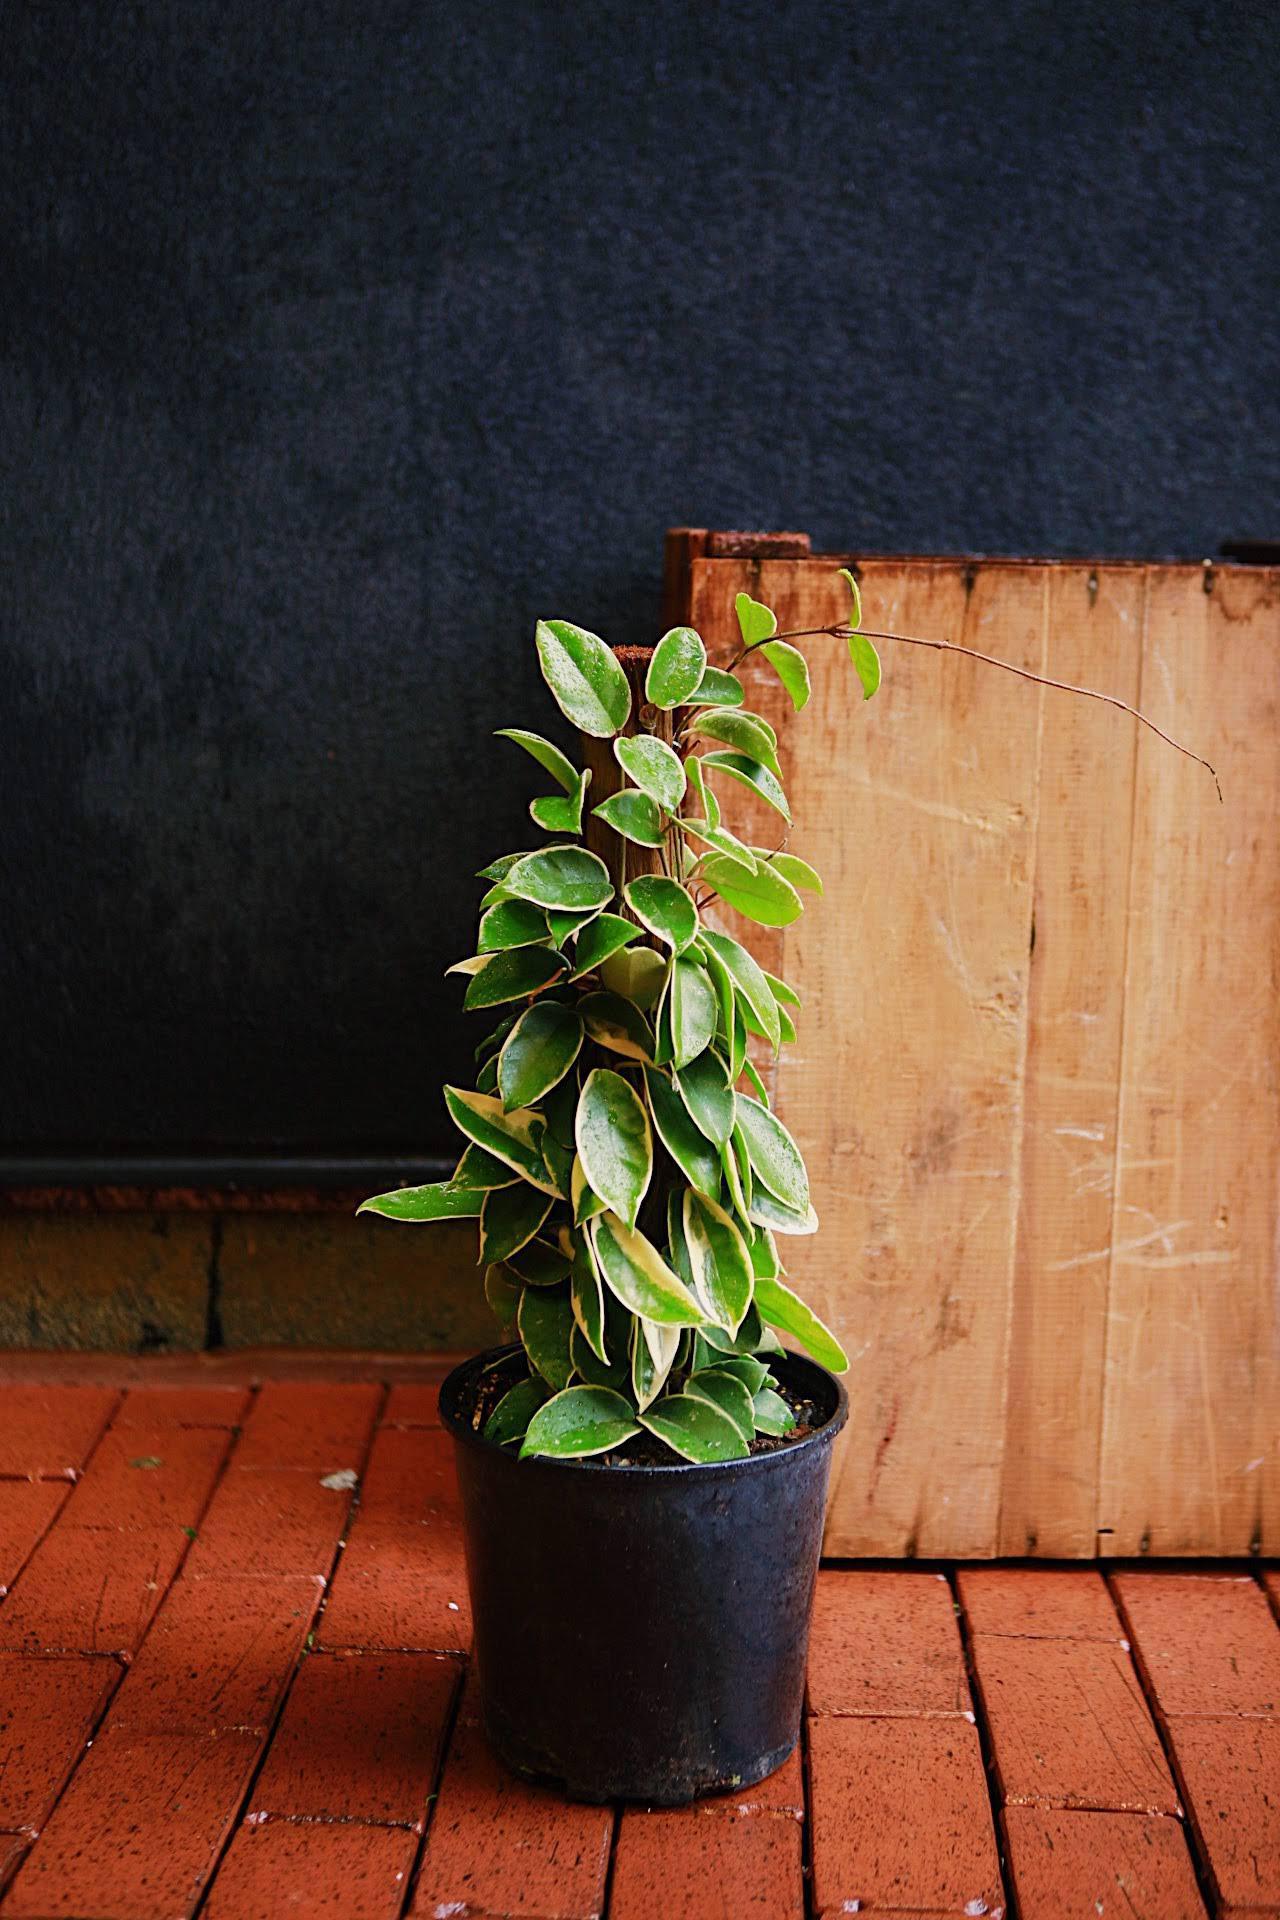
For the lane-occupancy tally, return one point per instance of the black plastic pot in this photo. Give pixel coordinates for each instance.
(641, 1631)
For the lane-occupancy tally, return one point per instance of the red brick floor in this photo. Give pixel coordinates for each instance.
(233, 1683)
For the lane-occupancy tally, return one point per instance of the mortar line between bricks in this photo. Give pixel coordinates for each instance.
(1190, 1827)
(433, 1798)
(986, 1746)
(236, 1823)
(806, 1825)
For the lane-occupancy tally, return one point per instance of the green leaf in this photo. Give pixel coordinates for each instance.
(579, 1422)
(694, 1429)
(701, 792)
(756, 622)
(592, 1369)
(655, 767)
(704, 1088)
(751, 774)
(586, 1204)
(537, 1053)
(721, 1390)
(514, 1411)
(678, 663)
(653, 1353)
(513, 975)
(638, 974)
(866, 662)
(559, 1108)
(720, 839)
(495, 1037)
(716, 689)
(781, 1308)
(568, 877)
(548, 756)
(745, 1367)
(751, 1334)
(771, 1412)
(722, 1275)
(513, 1138)
(774, 1155)
(502, 1295)
(784, 995)
(636, 1273)
(615, 1023)
(511, 1215)
(746, 732)
(695, 1157)
(511, 923)
(586, 1296)
(767, 1211)
(476, 964)
(749, 980)
(855, 617)
(446, 1200)
(545, 1320)
(764, 1254)
(614, 1142)
(792, 669)
(664, 908)
(589, 686)
(693, 1010)
(797, 871)
(634, 815)
(763, 896)
(563, 923)
(539, 1264)
(558, 813)
(723, 984)
(732, 1166)
(761, 1091)
(498, 869)
(607, 933)
(479, 1169)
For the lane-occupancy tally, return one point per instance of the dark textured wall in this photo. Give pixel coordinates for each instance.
(338, 342)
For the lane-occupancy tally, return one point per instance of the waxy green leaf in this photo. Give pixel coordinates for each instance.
(786, 996)
(775, 1158)
(563, 923)
(792, 669)
(614, 1142)
(638, 974)
(653, 1354)
(579, 1422)
(781, 1308)
(513, 975)
(693, 1010)
(771, 1412)
(763, 896)
(677, 666)
(695, 1429)
(716, 689)
(702, 793)
(445, 1200)
(513, 1138)
(479, 1169)
(586, 1296)
(750, 774)
(586, 1204)
(567, 877)
(635, 1271)
(692, 1152)
(634, 815)
(511, 923)
(766, 1211)
(722, 1274)
(607, 933)
(746, 733)
(665, 909)
(545, 1322)
(537, 1053)
(756, 622)
(721, 1390)
(655, 768)
(704, 1088)
(538, 1264)
(591, 1369)
(855, 616)
(764, 1254)
(719, 839)
(745, 1367)
(514, 1411)
(861, 650)
(548, 757)
(617, 1024)
(510, 1216)
(589, 686)
(502, 1295)
(797, 871)
(561, 813)
(749, 980)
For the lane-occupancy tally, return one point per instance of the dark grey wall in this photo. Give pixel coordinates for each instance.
(340, 341)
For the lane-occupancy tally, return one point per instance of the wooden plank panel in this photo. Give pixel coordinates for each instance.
(1189, 1449)
(906, 1086)
(1073, 1065)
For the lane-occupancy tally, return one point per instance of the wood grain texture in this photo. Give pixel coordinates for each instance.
(1046, 1168)
(1189, 1444)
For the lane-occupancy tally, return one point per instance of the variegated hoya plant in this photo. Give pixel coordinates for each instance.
(627, 1172)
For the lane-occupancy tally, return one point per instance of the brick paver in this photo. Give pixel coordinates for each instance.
(207, 1725)
(1069, 1726)
(1072, 1865)
(885, 1643)
(1207, 1643)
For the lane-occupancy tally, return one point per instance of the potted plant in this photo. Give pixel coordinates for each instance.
(643, 1469)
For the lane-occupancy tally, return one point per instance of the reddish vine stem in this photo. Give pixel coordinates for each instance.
(990, 660)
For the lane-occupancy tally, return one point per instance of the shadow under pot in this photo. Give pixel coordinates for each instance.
(641, 1631)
